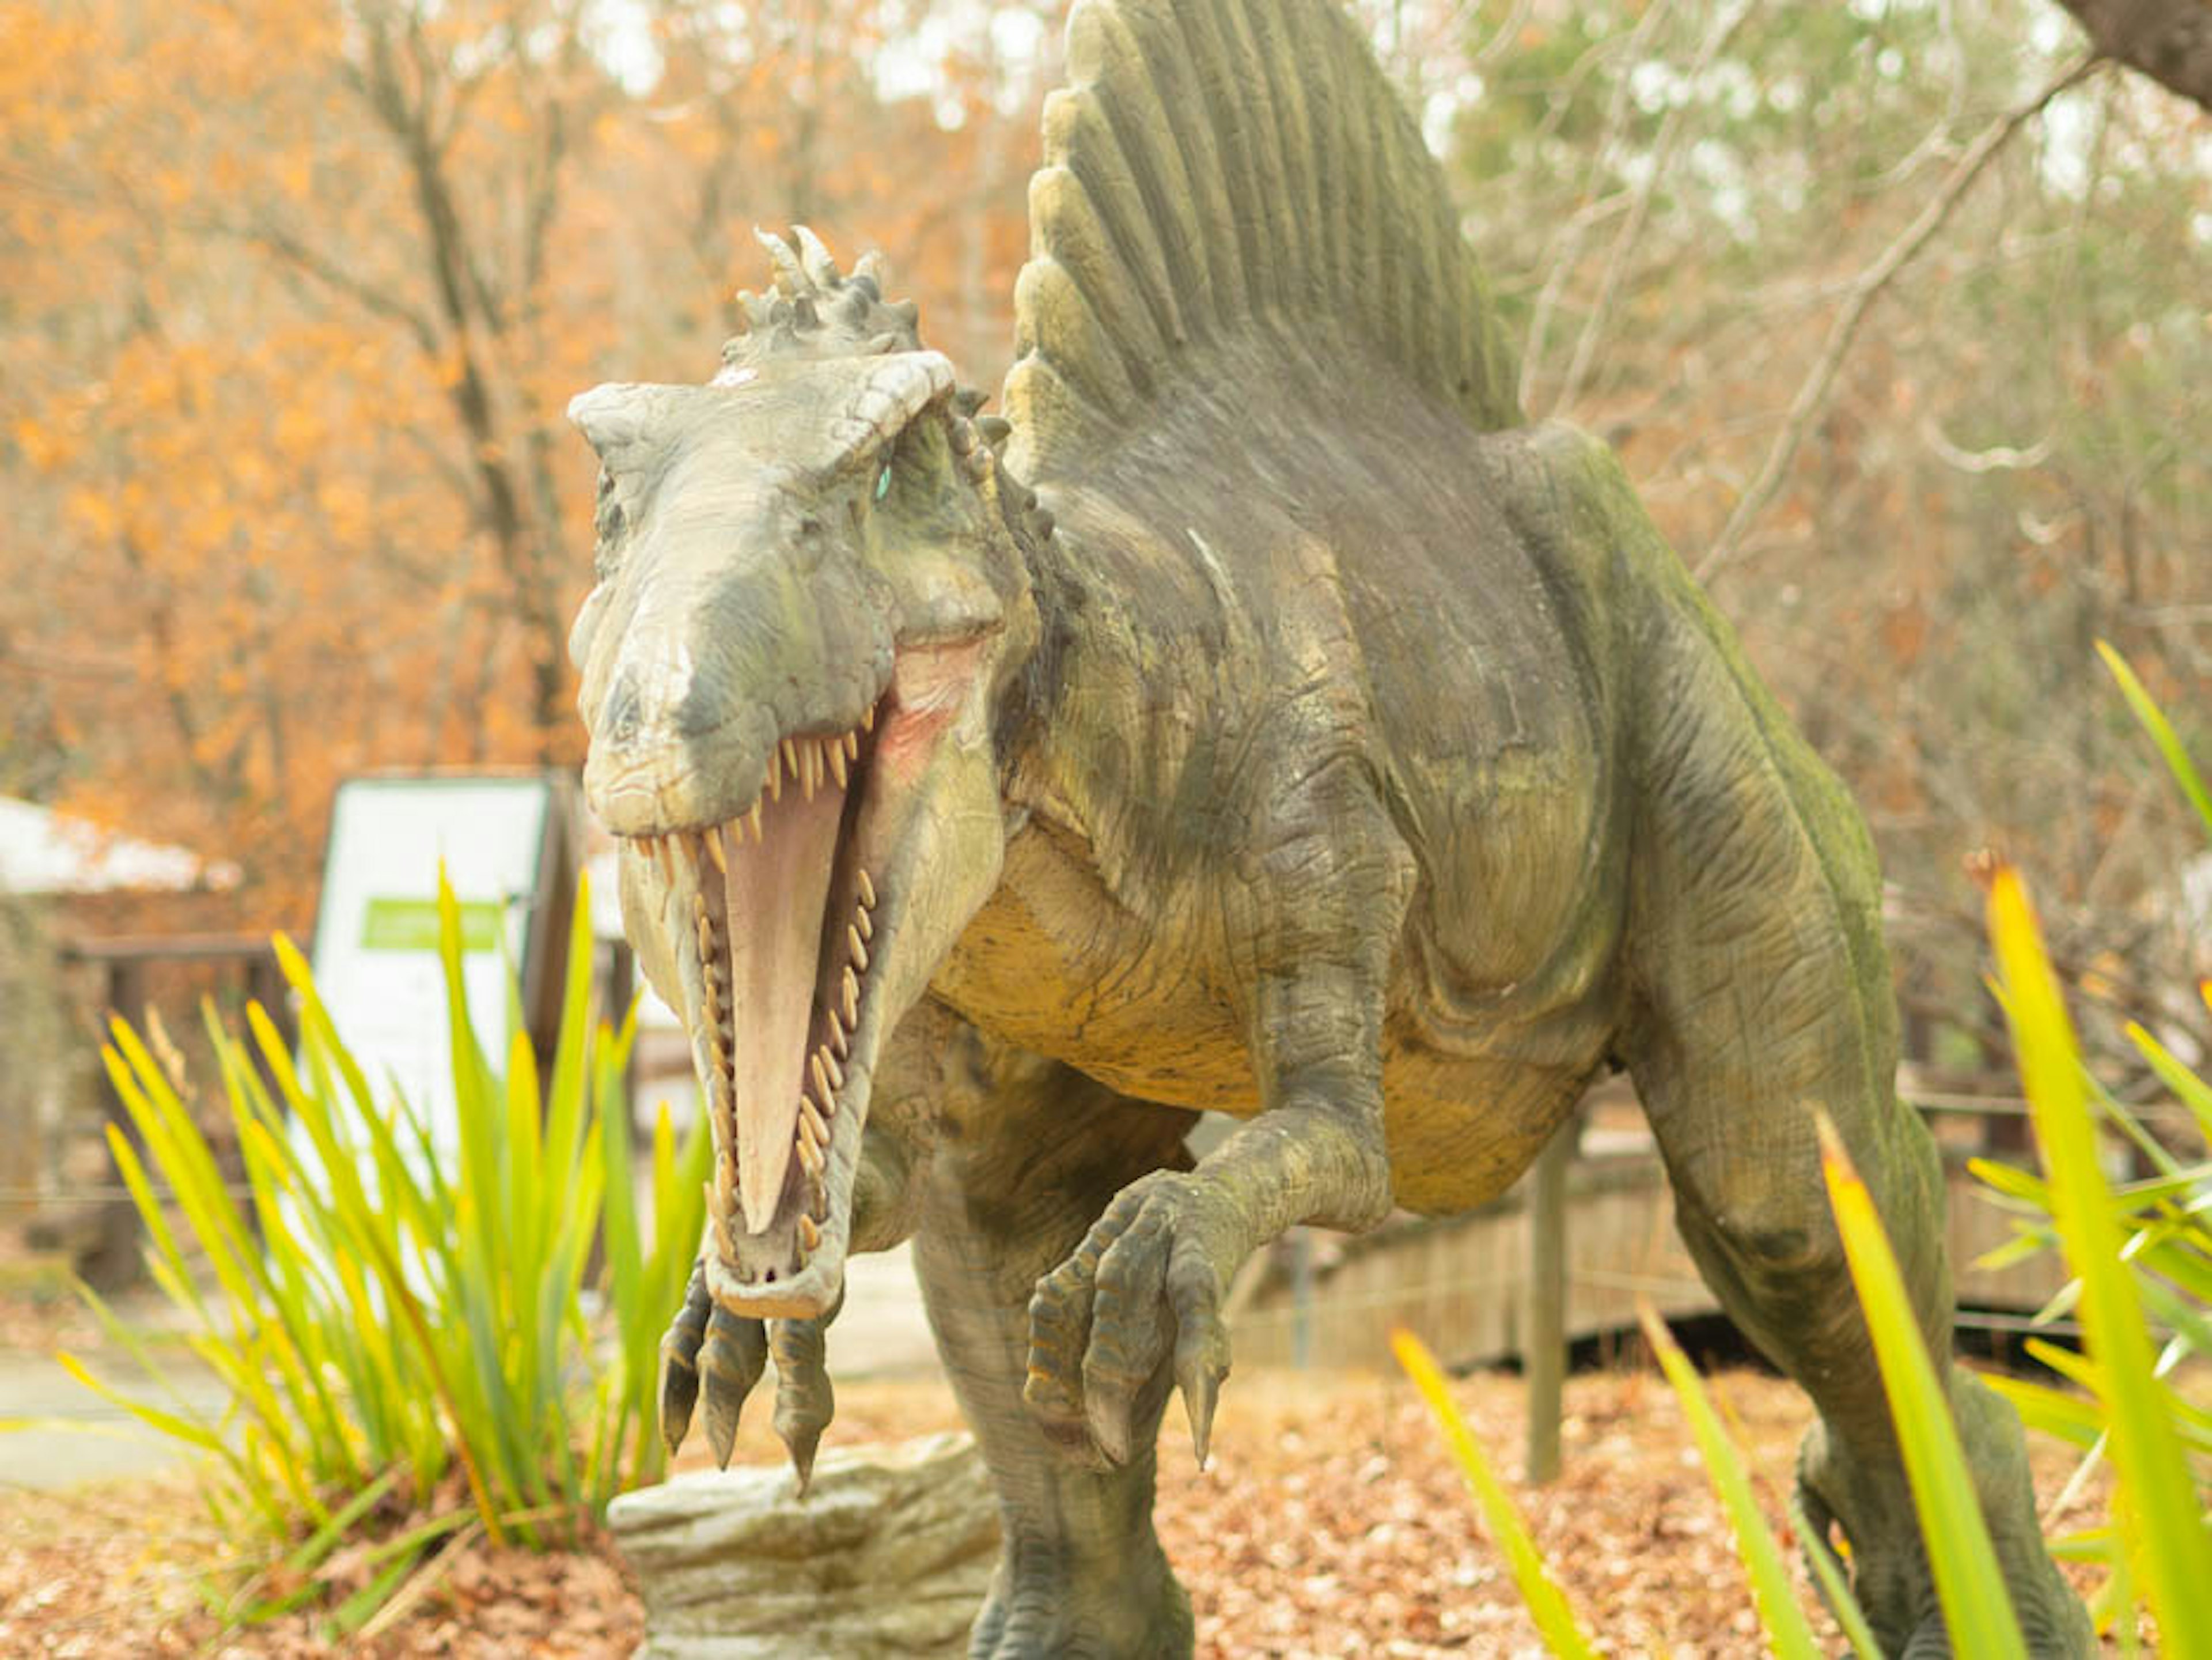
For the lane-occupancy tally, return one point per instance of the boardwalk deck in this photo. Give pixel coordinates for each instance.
(1461, 1282)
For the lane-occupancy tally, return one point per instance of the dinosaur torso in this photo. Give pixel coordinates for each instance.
(1225, 630)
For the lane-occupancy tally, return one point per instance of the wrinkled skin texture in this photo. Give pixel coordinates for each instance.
(1338, 752)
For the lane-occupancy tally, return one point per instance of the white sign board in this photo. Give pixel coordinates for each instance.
(376, 929)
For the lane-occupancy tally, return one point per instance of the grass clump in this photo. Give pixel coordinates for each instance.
(407, 1342)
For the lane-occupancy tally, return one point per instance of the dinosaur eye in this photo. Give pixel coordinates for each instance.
(884, 482)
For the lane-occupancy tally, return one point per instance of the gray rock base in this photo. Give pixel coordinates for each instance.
(888, 1556)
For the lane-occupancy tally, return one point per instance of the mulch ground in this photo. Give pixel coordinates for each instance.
(1329, 1524)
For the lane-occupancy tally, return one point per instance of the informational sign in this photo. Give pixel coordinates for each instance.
(376, 930)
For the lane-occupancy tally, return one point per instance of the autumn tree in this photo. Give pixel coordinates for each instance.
(293, 298)
(1897, 312)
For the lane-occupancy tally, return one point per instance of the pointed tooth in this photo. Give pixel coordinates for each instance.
(753, 823)
(812, 1121)
(867, 891)
(853, 944)
(789, 749)
(852, 746)
(812, 1158)
(837, 1038)
(829, 1065)
(821, 1074)
(810, 1236)
(864, 922)
(715, 851)
(774, 787)
(718, 1208)
(836, 753)
(852, 999)
(868, 719)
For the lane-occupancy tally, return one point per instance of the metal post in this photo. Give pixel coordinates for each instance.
(1544, 1347)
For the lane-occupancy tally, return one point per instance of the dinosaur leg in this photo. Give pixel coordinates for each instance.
(1762, 992)
(1750, 1202)
(1037, 1152)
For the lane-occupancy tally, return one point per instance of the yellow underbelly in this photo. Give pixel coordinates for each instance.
(1460, 1131)
(1460, 1128)
(1052, 963)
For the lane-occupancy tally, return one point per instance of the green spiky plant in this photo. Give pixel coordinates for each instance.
(404, 1342)
(2141, 1257)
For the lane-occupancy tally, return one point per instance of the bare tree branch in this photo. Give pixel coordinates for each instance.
(1566, 249)
(1625, 237)
(1812, 393)
(328, 271)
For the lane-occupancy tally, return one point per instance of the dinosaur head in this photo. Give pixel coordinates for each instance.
(809, 593)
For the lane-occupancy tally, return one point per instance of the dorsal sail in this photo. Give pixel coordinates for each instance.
(1223, 165)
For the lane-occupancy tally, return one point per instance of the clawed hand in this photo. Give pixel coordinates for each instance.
(1146, 1280)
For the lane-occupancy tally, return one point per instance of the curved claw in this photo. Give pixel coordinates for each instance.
(680, 1354)
(731, 1362)
(1199, 1376)
(1201, 1342)
(805, 1400)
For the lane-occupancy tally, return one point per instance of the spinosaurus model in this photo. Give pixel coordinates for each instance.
(1262, 716)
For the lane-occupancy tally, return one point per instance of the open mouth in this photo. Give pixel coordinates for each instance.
(775, 912)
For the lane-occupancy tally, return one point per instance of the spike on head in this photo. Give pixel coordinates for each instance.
(790, 276)
(812, 310)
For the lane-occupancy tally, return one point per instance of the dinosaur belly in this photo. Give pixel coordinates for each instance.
(1052, 963)
(1459, 1133)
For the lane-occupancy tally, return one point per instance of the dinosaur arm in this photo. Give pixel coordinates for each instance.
(1313, 917)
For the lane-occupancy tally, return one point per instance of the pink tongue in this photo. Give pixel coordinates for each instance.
(777, 889)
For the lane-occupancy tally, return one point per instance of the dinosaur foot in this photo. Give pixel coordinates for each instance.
(1889, 1571)
(1042, 1606)
(711, 1353)
(1143, 1285)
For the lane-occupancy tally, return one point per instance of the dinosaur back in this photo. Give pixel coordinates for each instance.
(1226, 168)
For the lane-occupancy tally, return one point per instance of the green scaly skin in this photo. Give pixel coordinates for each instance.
(1319, 743)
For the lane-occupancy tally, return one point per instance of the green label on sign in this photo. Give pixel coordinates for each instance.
(412, 925)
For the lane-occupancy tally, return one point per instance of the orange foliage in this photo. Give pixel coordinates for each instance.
(292, 295)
